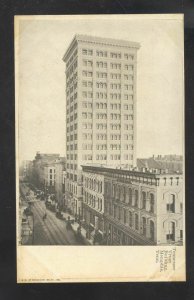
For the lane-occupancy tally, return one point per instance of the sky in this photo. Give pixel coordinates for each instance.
(41, 42)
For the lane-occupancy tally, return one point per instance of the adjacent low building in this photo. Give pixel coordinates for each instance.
(132, 207)
(47, 173)
(171, 163)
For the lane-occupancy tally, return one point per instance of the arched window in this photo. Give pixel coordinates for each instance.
(136, 198)
(94, 184)
(110, 208)
(124, 216)
(115, 211)
(144, 200)
(114, 190)
(130, 219)
(144, 225)
(119, 213)
(152, 230)
(100, 187)
(87, 198)
(100, 204)
(171, 232)
(171, 204)
(152, 203)
(117, 192)
(136, 222)
(130, 196)
(124, 194)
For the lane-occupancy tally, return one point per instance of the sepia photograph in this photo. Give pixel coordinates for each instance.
(100, 133)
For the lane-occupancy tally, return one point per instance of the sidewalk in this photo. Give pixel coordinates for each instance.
(27, 231)
(75, 226)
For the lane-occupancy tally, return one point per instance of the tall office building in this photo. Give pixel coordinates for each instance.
(101, 107)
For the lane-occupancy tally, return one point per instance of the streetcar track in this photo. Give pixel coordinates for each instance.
(52, 236)
(60, 235)
(53, 231)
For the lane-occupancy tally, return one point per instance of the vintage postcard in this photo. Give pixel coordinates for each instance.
(100, 148)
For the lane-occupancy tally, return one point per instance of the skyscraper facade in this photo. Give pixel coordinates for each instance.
(101, 107)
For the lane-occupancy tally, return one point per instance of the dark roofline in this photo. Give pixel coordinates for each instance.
(119, 171)
(105, 170)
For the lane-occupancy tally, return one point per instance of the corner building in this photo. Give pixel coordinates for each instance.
(134, 207)
(101, 107)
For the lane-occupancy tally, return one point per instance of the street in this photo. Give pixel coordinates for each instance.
(51, 231)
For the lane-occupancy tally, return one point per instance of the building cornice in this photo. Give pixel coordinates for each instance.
(100, 41)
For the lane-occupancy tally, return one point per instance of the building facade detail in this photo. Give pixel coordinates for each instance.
(101, 107)
(139, 208)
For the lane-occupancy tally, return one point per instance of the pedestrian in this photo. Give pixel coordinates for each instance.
(44, 217)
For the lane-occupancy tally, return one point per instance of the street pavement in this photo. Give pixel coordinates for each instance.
(51, 231)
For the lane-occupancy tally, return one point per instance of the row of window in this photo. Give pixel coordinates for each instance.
(72, 69)
(88, 136)
(93, 184)
(102, 126)
(72, 127)
(104, 95)
(70, 86)
(146, 202)
(98, 147)
(71, 79)
(73, 97)
(101, 157)
(101, 136)
(104, 116)
(104, 147)
(72, 156)
(72, 108)
(115, 66)
(93, 201)
(100, 53)
(71, 166)
(129, 196)
(132, 220)
(87, 83)
(71, 118)
(101, 95)
(100, 116)
(101, 64)
(87, 146)
(116, 86)
(72, 58)
(104, 156)
(72, 147)
(101, 147)
(115, 157)
(72, 137)
(71, 177)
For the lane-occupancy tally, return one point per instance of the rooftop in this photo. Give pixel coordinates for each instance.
(101, 40)
(150, 173)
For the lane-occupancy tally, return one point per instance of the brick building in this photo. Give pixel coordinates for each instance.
(138, 208)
